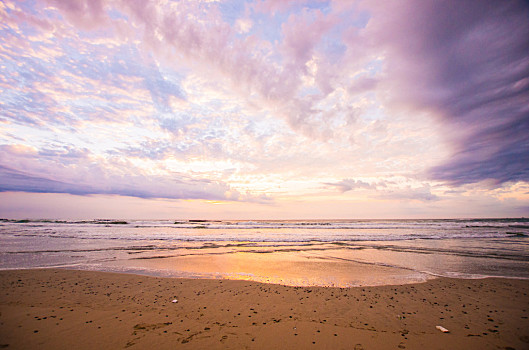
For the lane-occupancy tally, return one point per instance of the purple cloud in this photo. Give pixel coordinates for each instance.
(172, 187)
(467, 63)
(350, 184)
(422, 194)
(80, 172)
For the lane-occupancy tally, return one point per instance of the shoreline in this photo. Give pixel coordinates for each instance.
(62, 308)
(167, 274)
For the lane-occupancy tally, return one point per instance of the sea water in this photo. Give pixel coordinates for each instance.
(317, 252)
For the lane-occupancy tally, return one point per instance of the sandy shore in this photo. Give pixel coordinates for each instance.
(61, 309)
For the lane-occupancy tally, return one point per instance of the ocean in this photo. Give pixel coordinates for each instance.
(294, 252)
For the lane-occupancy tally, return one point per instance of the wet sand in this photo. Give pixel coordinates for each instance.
(295, 268)
(65, 309)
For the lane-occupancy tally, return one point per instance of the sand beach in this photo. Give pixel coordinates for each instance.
(66, 309)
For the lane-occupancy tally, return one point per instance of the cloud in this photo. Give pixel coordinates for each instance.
(243, 25)
(422, 194)
(13, 180)
(87, 15)
(388, 189)
(277, 6)
(80, 172)
(172, 187)
(350, 184)
(467, 63)
(296, 44)
(83, 82)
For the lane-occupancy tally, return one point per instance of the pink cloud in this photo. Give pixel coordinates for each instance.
(35, 22)
(302, 32)
(274, 6)
(87, 15)
(194, 34)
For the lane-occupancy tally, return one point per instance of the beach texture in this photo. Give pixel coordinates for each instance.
(67, 309)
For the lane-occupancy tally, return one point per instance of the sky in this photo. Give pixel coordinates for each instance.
(265, 109)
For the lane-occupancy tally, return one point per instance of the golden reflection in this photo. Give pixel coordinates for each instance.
(293, 268)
